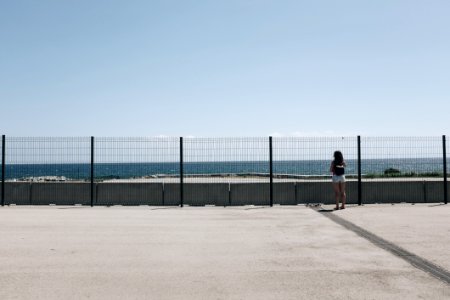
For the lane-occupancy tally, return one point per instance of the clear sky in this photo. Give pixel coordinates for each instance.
(224, 68)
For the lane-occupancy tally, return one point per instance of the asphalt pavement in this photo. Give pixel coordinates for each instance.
(246, 252)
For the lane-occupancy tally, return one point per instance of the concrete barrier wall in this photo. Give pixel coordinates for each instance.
(434, 192)
(206, 194)
(284, 193)
(220, 194)
(197, 194)
(249, 194)
(322, 192)
(129, 194)
(17, 193)
(393, 192)
(171, 194)
(60, 193)
(223, 194)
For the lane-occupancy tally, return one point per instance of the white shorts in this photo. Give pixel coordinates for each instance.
(337, 178)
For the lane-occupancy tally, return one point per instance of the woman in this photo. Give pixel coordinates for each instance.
(337, 167)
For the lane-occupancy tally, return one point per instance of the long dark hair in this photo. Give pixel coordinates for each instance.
(338, 158)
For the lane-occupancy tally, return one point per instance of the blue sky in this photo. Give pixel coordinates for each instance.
(224, 68)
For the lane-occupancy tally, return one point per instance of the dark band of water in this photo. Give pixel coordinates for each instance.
(81, 171)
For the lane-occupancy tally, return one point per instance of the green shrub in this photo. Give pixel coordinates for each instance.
(392, 171)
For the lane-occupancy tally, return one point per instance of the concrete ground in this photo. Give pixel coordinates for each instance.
(423, 229)
(218, 253)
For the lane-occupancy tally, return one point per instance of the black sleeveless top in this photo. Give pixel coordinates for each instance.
(339, 169)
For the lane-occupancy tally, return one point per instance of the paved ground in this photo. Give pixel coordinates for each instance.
(218, 253)
(423, 229)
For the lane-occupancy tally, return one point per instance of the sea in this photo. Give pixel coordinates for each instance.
(82, 171)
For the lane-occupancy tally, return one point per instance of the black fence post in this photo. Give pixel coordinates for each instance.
(444, 148)
(3, 169)
(92, 171)
(271, 170)
(359, 172)
(181, 172)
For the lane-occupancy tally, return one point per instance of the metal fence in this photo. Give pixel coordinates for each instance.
(219, 171)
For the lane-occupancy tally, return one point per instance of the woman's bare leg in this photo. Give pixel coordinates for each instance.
(342, 194)
(337, 193)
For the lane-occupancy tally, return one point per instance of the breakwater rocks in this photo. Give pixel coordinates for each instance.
(44, 179)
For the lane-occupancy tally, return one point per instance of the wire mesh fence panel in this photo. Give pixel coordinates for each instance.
(2, 194)
(136, 171)
(402, 169)
(226, 171)
(302, 168)
(219, 171)
(47, 170)
(447, 169)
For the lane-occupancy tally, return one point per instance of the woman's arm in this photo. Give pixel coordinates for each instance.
(331, 167)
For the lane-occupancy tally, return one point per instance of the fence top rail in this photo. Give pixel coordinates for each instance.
(228, 137)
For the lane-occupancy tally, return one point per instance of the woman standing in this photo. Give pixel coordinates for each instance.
(337, 167)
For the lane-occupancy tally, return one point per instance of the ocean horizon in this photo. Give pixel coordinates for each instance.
(82, 171)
